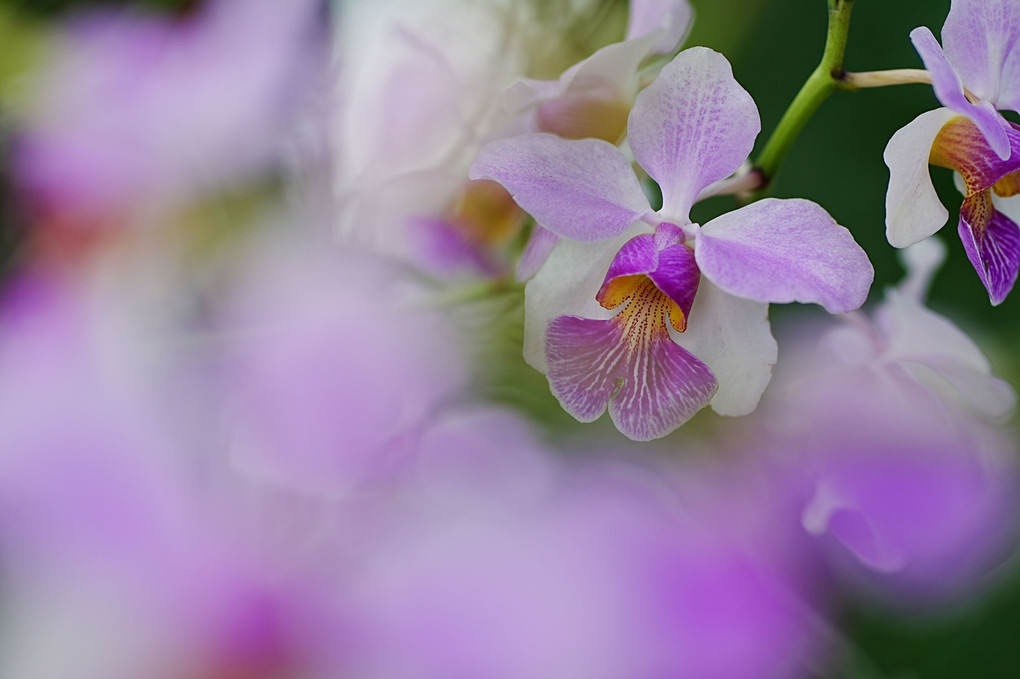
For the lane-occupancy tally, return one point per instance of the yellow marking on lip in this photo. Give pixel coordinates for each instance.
(952, 144)
(647, 308)
(1008, 185)
(961, 146)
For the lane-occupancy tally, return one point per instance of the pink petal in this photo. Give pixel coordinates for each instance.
(949, 91)
(669, 18)
(540, 244)
(693, 126)
(579, 189)
(982, 40)
(651, 387)
(785, 251)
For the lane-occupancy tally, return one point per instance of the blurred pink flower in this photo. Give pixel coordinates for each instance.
(609, 573)
(907, 487)
(131, 109)
(118, 559)
(333, 364)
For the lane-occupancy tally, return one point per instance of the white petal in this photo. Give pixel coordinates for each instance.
(942, 356)
(732, 337)
(913, 210)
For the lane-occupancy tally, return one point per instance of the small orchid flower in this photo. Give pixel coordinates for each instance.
(667, 316)
(974, 73)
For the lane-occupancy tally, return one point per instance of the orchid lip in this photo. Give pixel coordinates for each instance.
(662, 258)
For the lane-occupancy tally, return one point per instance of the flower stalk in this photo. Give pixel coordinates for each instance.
(823, 81)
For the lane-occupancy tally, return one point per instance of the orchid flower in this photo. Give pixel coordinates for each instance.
(904, 485)
(666, 316)
(974, 73)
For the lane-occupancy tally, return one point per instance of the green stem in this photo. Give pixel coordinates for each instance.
(822, 82)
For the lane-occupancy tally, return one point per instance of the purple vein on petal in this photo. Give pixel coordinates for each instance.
(960, 146)
(628, 363)
(992, 242)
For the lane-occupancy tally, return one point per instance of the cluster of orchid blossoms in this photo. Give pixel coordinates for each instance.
(258, 413)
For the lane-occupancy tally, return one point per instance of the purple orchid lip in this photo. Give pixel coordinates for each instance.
(992, 243)
(666, 261)
(629, 364)
(990, 238)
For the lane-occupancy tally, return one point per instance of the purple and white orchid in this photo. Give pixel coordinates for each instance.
(975, 72)
(604, 321)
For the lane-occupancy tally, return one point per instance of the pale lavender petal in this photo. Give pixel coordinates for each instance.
(935, 351)
(693, 126)
(591, 98)
(580, 189)
(537, 250)
(785, 251)
(613, 68)
(731, 335)
(982, 40)
(961, 146)
(613, 72)
(949, 91)
(992, 242)
(651, 387)
(913, 210)
(672, 18)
